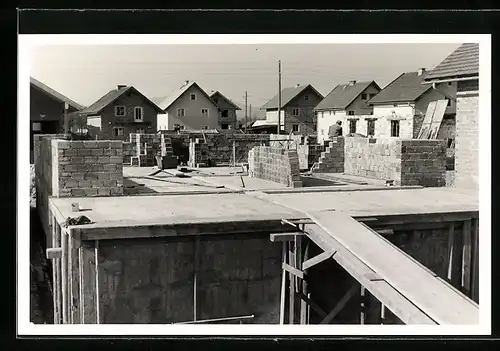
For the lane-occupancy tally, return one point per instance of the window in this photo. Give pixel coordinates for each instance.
(295, 127)
(364, 96)
(205, 127)
(449, 102)
(352, 126)
(140, 131)
(450, 84)
(119, 110)
(177, 126)
(350, 113)
(204, 112)
(322, 114)
(295, 112)
(118, 131)
(192, 96)
(370, 127)
(394, 128)
(181, 112)
(138, 114)
(37, 126)
(224, 126)
(224, 113)
(371, 95)
(306, 97)
(322, 132)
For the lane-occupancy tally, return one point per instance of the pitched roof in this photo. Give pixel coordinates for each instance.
(462, 62)
(287, 95)
(343, 95)
(170, 99)
(405, 88)
(110, 97)
(55, 94)
(236, 107)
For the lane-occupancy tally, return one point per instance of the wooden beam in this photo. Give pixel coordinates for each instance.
(340, 305)
(313, 305)
(318, 259)
(475, 260)
(451, 241)
(291, 305)
(280, 237)
(195, 278)
(303, 304)
(97, 297)
(363, 306)
(373, 277)
(53, 253)
(283, 285)
(89, 283)
(74, 245)
(293, 270)
(64, 275)
(466, 257)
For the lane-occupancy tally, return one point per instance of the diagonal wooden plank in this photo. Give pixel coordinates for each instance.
(313, 305)
(340, 305)
(293, 270)
(436, 298)
(318, 259)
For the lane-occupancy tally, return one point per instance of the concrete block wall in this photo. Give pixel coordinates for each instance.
(333, 158)
(129, 150)
(146, 147)
(275, 164)
(308, 154)
(406, 162)
(467, 138)
(423, 162)
(218, 148)
(87, 168)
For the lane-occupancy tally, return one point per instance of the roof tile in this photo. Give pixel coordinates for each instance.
(464, 61)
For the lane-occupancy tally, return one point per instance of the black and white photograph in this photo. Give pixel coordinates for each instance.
(239, 184)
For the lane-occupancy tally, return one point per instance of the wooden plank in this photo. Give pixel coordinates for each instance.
(313, 305)
(340, 305)
(280, 237)
(52, 253)
(466, 256)
(475, 261)
(437, 118)
(195, 279)
(283, 285)
(426, 123)
(303, 304)
(443, 304)
(363, 303)
(54, 273)
(293, 270)
(75, 279)
(318, 259)
(451, 240)
(64, 277)
(291, 305)
(381, 290)
(89, 283)
(97, 296)
(80, 285)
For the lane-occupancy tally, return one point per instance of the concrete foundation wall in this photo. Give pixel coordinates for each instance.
(218, 149)
(275, 164)
(152, 280)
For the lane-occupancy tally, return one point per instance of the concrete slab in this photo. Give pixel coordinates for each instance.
(234, 182)
(170, 208)
(382, 202)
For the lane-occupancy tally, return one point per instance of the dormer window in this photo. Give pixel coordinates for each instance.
(119, 111)
(138, 114)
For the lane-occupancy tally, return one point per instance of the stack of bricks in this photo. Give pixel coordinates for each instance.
(308, 154)
(129, 150)
(147, 147)
(406, 162)
(223, 149)
(275, 164)
(333, 158)
(87, 168)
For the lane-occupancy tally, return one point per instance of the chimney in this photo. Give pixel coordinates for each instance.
(121, 86)
(352, 82)
(186, 82)
(297, 85)
(420, 71)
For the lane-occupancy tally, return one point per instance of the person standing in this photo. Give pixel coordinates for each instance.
(335, 130)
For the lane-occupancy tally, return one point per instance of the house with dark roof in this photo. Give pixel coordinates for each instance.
(119, 112)
(461, 69)
(347, 103)
(227, 108)
(399, 109)
(297, 109)
(188, 107)
(47, 108)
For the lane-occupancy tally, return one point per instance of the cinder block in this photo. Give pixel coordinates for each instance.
(97, 152)
(104, 191)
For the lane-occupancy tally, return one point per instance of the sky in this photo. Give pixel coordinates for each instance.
(84, 73)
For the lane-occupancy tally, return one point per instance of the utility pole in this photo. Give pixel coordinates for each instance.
(279, 96)
(66, 122)
(250, 112)
(246, 116)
